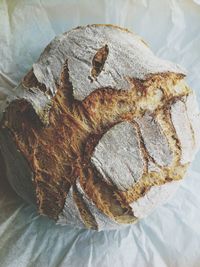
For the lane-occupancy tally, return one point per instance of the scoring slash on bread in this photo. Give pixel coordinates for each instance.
(100, 131)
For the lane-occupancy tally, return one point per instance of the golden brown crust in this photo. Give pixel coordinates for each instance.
(75, 130)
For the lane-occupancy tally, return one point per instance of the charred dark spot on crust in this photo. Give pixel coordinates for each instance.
(99, 61)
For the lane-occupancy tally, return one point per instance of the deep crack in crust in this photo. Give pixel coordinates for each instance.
(59, 153)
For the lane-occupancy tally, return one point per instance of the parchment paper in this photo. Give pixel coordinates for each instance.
(171, 235)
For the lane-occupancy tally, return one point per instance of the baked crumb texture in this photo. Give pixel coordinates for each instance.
(104, 129)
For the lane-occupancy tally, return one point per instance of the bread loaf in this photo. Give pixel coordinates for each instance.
(100, 131)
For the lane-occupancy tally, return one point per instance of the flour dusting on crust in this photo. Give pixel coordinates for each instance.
(118, 157)
(155, 140)
(70, 213)
(79, 46)
(152, 167)
(194, 117)
(156, 196)
(183, 129)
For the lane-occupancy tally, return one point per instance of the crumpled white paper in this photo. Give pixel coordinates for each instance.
(170, 237)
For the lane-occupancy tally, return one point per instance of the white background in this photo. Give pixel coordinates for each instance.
(171, 235)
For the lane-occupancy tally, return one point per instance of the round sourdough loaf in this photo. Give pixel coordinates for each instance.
(100, 131)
